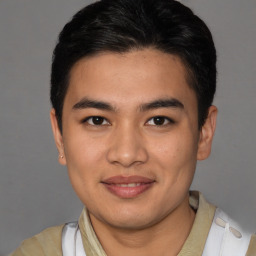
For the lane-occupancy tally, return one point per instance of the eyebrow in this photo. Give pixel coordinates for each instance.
(162, 103)
(159, 103)
(87, 103)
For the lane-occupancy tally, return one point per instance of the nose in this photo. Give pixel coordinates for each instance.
(127, 148)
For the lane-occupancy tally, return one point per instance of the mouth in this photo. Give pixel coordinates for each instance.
(128, 187)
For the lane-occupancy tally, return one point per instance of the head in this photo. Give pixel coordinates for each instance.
(132, 87)
(121, 26)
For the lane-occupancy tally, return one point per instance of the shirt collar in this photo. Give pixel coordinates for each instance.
(194, 245)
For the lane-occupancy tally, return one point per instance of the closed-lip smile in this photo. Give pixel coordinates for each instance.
(128, 187)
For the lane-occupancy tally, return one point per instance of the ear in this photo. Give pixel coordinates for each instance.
(206, 134)
(57, 137)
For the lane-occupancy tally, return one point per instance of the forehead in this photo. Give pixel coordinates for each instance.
(134, 76)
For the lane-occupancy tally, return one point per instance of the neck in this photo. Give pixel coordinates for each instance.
(164, 238)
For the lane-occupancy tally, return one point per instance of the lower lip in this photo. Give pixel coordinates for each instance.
(128, 192)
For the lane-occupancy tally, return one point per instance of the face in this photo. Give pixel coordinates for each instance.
(130, 137)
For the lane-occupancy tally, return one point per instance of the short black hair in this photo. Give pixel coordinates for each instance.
(123, 25)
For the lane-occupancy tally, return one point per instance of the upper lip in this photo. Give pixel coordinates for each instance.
(126, 180)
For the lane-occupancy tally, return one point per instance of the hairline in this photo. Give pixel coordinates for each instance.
(189, 74)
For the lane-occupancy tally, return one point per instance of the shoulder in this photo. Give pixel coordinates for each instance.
(48, 242)
(252, 246)
(228, 237)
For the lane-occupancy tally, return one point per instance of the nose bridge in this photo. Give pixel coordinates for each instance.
(127, 146)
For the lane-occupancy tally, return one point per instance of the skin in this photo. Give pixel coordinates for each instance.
(128, 142)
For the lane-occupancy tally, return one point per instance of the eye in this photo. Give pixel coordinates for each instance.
(96, 120)
(159, 121)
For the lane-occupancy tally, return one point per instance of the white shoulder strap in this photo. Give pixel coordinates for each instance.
(72, 244)
(226, 237)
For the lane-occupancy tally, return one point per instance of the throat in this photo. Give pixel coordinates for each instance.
(165, 238)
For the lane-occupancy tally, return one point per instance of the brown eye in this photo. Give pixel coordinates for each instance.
(159, 120)
(96, 120)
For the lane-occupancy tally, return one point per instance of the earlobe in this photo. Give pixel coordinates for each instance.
(57, 137)
(206, 134)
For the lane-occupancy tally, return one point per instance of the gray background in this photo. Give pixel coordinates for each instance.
(34, 190)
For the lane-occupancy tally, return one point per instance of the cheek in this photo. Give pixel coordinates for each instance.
(175, 154)
(83, 155)
(84, 166)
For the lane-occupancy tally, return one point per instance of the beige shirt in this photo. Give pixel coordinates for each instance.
(48, 242)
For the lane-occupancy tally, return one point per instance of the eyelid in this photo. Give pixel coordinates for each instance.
(86, 120)
(168, 119)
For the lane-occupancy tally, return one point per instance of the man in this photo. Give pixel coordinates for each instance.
(132, 87)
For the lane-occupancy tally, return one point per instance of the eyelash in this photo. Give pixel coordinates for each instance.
(87, 120)
(164, 121)
(167, 121)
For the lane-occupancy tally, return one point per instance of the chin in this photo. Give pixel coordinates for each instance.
(132, 224)
(131, 220)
